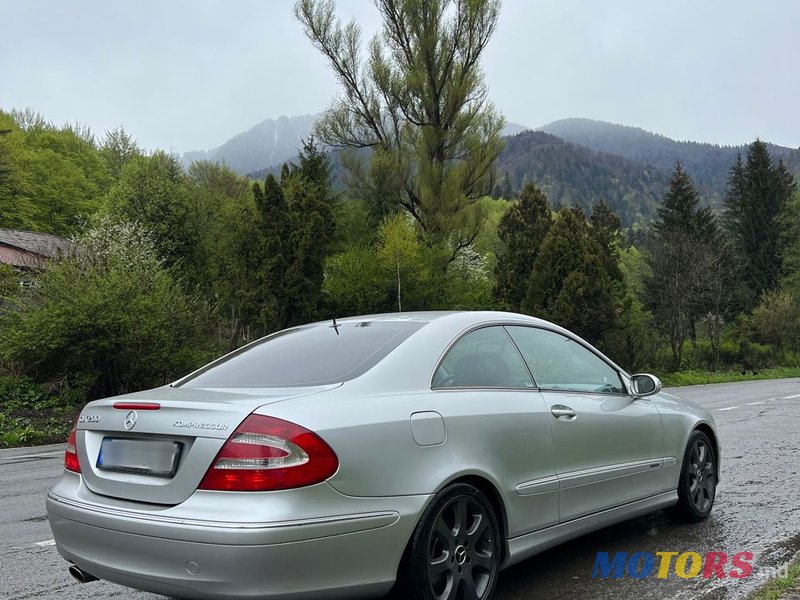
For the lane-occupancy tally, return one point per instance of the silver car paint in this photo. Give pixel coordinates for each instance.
(553, 481)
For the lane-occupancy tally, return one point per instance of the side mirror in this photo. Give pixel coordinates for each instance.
(644, 384)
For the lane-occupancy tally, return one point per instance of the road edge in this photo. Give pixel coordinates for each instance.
(784, 588)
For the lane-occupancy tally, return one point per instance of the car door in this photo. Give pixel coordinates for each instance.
(608, 445)
(497, 423)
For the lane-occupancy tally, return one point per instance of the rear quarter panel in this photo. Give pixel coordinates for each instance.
(500, 436)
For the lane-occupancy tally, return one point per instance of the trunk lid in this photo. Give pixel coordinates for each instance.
(125, 452)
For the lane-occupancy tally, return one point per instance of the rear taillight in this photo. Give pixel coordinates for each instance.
(71, 462)
(266, 454)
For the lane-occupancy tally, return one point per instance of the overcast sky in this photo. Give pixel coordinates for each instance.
(189, 74)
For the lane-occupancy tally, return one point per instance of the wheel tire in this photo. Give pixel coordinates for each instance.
(697, 486)
(456, 549)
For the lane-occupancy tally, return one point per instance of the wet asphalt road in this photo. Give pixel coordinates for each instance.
(757, 510)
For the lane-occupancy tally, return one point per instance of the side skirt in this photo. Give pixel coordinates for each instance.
(525, 546)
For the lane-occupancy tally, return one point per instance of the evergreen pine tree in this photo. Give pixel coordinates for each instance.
(685, 256)
(308, 189)
(679, 210)
(570, 283)
(757, 196)
(274, 252)
(521, 230)
(607, 231)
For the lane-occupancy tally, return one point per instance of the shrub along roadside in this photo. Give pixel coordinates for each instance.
(109, 320)
(31, 415)
(681, 378)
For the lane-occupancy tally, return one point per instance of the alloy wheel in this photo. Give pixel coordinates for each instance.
(702, 479)
(462, 551)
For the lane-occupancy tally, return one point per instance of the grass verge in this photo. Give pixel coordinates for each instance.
(702, 377)
(776, 588)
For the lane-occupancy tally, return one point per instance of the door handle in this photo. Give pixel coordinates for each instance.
(563, 413)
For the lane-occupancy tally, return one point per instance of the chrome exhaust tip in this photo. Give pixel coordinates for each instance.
(80, 575)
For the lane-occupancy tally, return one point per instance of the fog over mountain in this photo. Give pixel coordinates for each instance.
(268, 143)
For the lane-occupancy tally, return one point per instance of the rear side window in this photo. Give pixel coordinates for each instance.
(559, 363)
(483, 358)
(311, 355)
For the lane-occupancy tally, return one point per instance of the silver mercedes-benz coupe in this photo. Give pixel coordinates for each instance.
(335, 460)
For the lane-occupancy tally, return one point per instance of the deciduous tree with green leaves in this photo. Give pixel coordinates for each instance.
(418, 100)
(55, 177)
(152, 191)
(109, 319)
(117, 149)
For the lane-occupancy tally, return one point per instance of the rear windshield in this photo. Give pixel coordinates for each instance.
(311, 355)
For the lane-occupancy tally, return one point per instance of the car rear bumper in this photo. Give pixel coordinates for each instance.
(343, 555)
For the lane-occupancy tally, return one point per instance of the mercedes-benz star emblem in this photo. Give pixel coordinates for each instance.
(130, 420)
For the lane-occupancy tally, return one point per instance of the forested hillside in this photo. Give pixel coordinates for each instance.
(708, 164)
(571, 175)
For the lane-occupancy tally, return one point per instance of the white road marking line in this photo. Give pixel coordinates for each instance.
(729, 408)
(791, 397)
(46, 543)
(19, 456)
(755, 403)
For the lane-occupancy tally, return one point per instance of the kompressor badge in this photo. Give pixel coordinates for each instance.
(206, 426)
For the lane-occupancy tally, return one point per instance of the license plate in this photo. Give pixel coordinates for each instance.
(141, 457)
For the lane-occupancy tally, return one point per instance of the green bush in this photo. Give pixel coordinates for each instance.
(756, 356)
(108, 320)
(20, 393)
(33, 414)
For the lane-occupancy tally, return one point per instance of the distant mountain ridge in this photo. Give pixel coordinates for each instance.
(273, 142)
(573, 175)
(575, 161)
(708, 164)
(270, 142)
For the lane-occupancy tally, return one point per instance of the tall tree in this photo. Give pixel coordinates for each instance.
(682, 268)
(152, 191)
(419, 102)
(757, 196)
(607, 230)
(570, 284)
(790, 277)
(307, 186)
(275, 253)
(521, 231)
(294, 231)
(680, 210)
(55, 176)
(685, 255)
(117, 149)
(6, 189)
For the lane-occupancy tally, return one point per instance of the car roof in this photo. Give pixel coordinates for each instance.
(476, 316)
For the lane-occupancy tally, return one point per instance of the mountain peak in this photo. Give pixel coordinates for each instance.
(267, 143)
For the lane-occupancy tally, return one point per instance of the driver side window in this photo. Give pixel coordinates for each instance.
(560, 363)
(484, 358)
